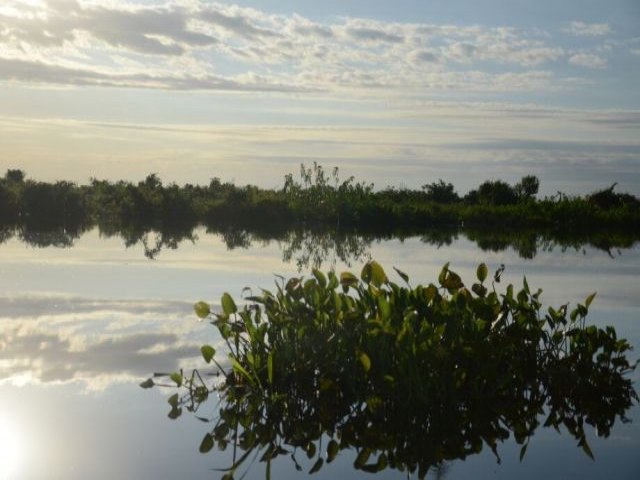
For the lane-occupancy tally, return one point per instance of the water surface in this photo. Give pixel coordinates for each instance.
(80, 327)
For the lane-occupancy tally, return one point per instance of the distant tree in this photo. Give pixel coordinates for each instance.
(528, 187)
(16, 176)
(441, 192)
(497, 192)
(471, 198)
(607, 199)
(152, 182)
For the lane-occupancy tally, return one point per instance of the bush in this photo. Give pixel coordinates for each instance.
(409, 377)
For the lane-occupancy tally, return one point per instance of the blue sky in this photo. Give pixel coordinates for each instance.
(398, 93)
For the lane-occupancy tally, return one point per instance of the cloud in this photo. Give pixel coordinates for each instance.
(155, 31)
(201, 45)
(588, 60)
(423, 56)
(582, 29)
(41, 72)
(36, 306)
(629, 149)
(300, 26)
(371, 32)
(60, 339)
(237, 24)
(462, 52)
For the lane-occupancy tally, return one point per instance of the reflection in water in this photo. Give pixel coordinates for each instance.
(12, 447)
(313, 248)
(407, 379)
(53, 339)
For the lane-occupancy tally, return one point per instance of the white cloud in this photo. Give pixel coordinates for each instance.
(199, 45)
(588, 60)
(582, 29)
(423, 56)
(97, 342)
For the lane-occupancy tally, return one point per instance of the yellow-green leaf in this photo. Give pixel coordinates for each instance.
(228, 305)
(177, 377)
(202, 309)
(207, 352)
(270, 367)
(365, 361)
(373, 272)
(482, 272)
(348, 279)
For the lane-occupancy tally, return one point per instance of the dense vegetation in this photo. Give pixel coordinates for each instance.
(316, 200)
(408, 377)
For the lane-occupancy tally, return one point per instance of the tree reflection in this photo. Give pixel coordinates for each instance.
(315, 248)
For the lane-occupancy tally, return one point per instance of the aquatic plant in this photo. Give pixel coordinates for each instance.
(407, 376)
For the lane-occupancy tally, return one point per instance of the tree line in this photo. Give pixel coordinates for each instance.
(317, 198)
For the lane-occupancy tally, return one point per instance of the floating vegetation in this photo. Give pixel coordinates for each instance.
(408, 377)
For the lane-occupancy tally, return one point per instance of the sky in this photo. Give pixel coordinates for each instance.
(397, 93)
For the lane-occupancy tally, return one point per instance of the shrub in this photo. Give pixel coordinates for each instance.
(407, 376)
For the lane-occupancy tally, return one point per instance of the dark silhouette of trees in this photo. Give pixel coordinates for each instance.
(441, 192)
(318, 200)
(528, 187)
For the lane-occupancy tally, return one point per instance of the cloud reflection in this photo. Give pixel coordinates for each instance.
(57, 339)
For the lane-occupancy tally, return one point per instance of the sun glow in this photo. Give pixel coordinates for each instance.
(12, 449)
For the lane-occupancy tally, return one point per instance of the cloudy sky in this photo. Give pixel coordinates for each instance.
(398, 93)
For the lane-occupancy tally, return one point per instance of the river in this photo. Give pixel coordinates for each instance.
(82, 326)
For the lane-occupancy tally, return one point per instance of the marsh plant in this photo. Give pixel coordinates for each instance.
(406, 377)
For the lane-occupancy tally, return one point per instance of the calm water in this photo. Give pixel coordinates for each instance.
(80, 327)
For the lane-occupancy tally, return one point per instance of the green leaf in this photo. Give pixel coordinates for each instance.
(362, 458)
(320, 277)
(207, 352)
(348, 279)
(174, 413)
(173, 400)
(452, 281)
(365, 361)
(177, 377)
(403, 275)
(482, 272)
(373, 272)
(148, 383)
(430, 292)
(332, 451)
(443, 273)
(589, 299)
(207, 443)
(202, 309)
(586, 448)
(228, 305)
(311, 450)
(270, 367)
(523, 450)
(316, 466)
(239, 369)
(479, 289)
(384, 308)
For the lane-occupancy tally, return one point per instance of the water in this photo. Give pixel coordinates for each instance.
(81, 327)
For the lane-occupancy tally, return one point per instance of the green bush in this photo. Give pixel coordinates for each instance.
(407, 376)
